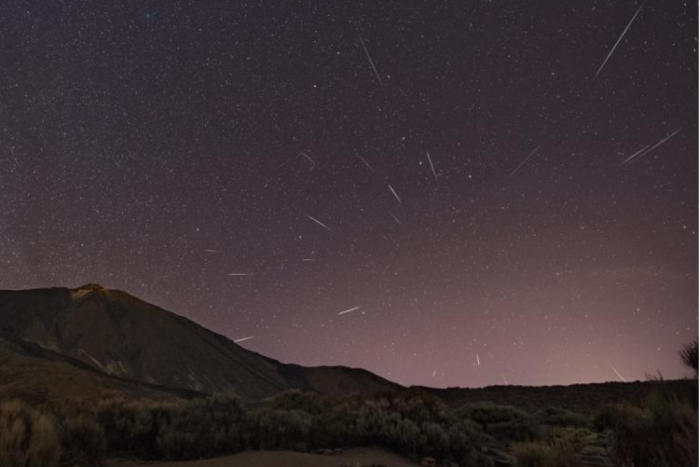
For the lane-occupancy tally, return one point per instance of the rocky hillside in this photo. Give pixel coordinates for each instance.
(117, 334)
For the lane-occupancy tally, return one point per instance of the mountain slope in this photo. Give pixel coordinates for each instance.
(120, 335)
(38, 376)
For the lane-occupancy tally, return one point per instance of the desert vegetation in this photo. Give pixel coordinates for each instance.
(659, 429)
(689, 356)
(545, 454)
(28, 438)
(412, 423)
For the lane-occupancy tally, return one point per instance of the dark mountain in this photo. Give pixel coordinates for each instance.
(116, 334)
(37, 375)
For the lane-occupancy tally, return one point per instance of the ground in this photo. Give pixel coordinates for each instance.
(350, 458)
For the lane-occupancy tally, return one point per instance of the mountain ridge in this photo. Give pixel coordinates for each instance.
(121, 335)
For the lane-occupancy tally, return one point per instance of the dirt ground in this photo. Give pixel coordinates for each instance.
(361, 457)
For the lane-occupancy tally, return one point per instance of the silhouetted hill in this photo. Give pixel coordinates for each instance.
(38, 376)
(116, 334)
(583, 398)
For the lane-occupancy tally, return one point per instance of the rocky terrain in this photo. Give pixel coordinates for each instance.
(119, 336)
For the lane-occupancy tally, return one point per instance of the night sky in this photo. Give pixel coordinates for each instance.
(444, 193)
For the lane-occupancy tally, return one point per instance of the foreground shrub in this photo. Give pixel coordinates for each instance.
(606, 418)
(27, 438)
(309, 402)
(82, 441)
(661, 432)
(502, 422)
(580, 439)
(336, 427)
(412, 423)
(552, 454)
(463, 436)
(203, 428)
(279, 429)
(560, 417)
(689, 356)
(132, 428)
(178, 431)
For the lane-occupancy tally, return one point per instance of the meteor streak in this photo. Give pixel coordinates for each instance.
(349, 310)
(634, 155)
(523, 162)
(394, 193)
(432, 167)
(655, 146)
(313, 162)
(616, 44)
(366, 163)
(617, 373)
(320, 223)
(376, 73)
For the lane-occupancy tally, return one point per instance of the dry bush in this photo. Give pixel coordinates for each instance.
(502, 422)
(560, 417)
(538, 454)
(132, 428)
(83, 441)
(279, 429)
(689, 356)
(606, 417)
(661, 432)
(27, 438)
(205, 428)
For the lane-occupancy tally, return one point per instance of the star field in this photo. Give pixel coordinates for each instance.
(443, 193)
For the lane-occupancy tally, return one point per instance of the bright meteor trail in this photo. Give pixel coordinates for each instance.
(320, 223)
(616, 43)
(349, 310)
(376, 73)
(523, 162)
